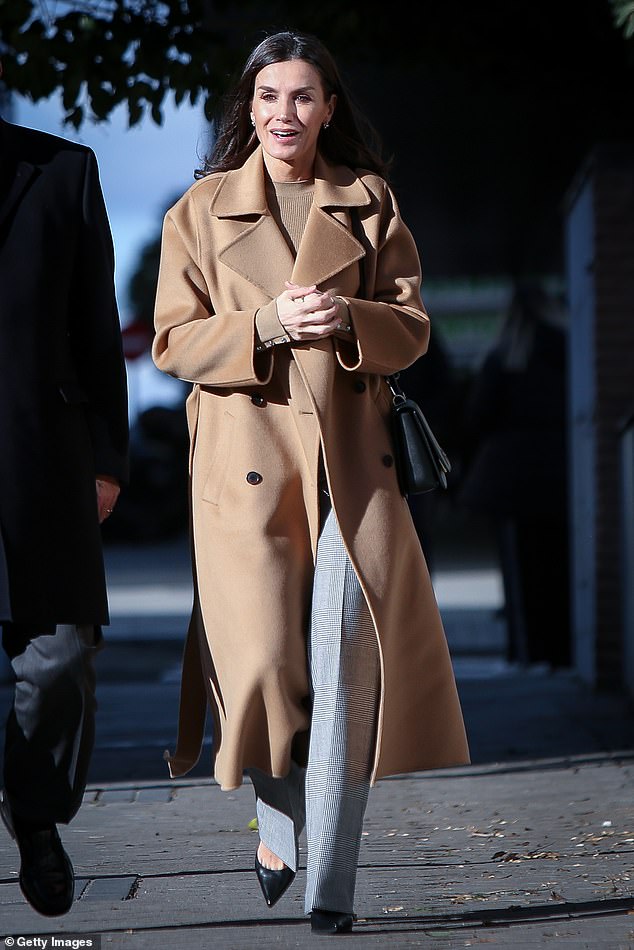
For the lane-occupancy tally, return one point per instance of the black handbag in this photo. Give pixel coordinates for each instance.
(421, 464)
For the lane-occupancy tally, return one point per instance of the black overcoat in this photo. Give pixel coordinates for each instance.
(63, 395)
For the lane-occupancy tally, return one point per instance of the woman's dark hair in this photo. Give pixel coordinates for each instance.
(349, 140)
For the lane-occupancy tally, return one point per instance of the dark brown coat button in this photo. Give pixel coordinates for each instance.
(257, 399)
(254, 478)
(388, 461)
(359, 386)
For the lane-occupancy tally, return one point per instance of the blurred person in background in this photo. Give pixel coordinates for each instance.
(63, 457)
(430, 382)
(315, 633)
(515, 439)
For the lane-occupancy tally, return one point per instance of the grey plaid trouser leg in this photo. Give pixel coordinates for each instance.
(344, 671)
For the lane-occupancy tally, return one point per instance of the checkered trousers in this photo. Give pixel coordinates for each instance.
(332, 792)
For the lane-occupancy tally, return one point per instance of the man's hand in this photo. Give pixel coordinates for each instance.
(107, 494)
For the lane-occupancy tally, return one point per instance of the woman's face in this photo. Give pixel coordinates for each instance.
(289, 108)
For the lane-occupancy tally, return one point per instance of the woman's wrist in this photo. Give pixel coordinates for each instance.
(270, 330)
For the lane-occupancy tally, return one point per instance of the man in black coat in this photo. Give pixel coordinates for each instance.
(63, 456)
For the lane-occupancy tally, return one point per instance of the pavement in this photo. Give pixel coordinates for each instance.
(531, 845)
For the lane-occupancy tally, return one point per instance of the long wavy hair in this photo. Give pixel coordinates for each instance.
(349, 140)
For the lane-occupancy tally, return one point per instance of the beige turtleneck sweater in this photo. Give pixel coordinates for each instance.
(290, 202)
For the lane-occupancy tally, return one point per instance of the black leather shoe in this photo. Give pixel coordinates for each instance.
(329, 922)
(273, 883)
(46, 873)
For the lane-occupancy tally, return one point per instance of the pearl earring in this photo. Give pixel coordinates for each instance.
(252, 120)
(326, 125)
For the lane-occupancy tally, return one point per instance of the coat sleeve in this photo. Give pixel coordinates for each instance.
(95, 332)
(192, 342)
(390, 323)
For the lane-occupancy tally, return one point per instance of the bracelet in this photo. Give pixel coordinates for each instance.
(344, 327)
(267, 344)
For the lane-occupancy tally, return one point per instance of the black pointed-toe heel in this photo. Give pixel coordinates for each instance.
(273, 883)
(330, 922)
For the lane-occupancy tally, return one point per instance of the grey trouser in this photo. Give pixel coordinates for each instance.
(332, 791)
(51, 727)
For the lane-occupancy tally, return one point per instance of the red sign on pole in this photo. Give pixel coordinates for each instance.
(137, 339)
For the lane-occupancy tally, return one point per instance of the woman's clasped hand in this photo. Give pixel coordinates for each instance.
(306, 313)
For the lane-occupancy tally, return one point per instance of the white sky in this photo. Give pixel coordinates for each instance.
(142, 170)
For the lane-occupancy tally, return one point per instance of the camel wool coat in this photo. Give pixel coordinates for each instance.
(257, 419)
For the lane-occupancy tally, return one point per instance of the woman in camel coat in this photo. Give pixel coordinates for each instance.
(292, 469)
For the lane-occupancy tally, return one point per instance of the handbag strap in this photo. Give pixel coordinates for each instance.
(398, 395)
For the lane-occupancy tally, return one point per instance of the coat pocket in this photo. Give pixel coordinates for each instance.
(217, 475)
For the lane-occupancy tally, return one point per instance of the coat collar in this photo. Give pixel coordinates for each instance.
(258, 250)
(242, 190)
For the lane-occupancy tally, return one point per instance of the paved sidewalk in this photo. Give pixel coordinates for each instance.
(530, 846)
(524, 856)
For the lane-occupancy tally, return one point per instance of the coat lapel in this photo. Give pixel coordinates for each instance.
(259, 253)
(326, 249)
(328, 246)
(257, 249)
